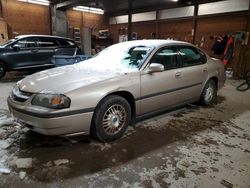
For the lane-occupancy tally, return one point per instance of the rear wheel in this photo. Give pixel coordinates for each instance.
(209, 93)
(2, 70)
(111, 118)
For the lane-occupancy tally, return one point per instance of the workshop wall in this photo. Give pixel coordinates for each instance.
(3, 31)
(144, 29)
(163, 29)
(26, 18)
(181, 29)
(222, 25)
(176, 29)
(77, 21)
(90, 20)
(74, 18)
(117, 29)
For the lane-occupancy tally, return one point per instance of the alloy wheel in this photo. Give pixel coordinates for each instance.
(209, 93)
(114, 119)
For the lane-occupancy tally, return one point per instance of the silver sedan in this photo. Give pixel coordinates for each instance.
(124, 82)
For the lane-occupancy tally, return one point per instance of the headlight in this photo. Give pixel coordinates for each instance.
(55, 101)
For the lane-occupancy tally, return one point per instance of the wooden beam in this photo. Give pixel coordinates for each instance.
(244, 64)
(157, 25)
(1, 9)
(130, 7)
(196, 8)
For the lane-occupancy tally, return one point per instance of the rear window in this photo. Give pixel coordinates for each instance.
(63, 42)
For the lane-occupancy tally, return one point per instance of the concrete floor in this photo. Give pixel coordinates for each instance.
(191, 147)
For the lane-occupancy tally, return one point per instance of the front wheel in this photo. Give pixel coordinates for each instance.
(209, 93)
(2, 70)
(111, 118)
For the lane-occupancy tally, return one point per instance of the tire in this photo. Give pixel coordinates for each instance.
(209, 93)
(243, 87)
(111, 118)
(2, 70)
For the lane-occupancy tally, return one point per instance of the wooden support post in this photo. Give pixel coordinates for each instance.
(58, 22)
(157, 24)
(1, 9)
(130, 6)
(244, 55)
(196, 7)
(244, 64)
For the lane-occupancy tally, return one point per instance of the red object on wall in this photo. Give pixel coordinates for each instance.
(228, 53)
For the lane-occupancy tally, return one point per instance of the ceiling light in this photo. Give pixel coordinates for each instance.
(39, 2)
(89, 9)
(175, 0)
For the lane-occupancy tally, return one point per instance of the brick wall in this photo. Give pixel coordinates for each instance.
(26, 18)
(182, 30)
(80, 19)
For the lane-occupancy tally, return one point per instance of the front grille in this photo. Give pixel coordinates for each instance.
(20, 96)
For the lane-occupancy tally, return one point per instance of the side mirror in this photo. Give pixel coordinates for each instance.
(16, 47)
(155, 67)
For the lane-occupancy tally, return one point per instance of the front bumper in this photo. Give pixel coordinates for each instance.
(52, 123)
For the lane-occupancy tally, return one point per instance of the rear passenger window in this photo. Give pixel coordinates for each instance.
(190, 56)
(47, 42)
(65, 42)
(167, 57)
(203, 56)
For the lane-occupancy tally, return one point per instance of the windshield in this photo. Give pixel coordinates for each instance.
(127, 56)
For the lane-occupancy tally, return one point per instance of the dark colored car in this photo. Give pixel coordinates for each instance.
(34, 52)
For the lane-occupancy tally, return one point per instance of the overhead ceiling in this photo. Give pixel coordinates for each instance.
(121, 6)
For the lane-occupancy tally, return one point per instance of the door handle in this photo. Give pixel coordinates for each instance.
(178, 74)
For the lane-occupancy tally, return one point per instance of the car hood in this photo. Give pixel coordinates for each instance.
(67, 78)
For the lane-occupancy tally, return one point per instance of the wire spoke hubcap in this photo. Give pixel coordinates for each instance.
(114, 119)
(209, 93)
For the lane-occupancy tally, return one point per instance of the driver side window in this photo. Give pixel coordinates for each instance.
(27, 43)
(167, 57)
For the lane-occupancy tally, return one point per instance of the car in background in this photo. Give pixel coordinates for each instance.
(34, 52)
(124, 82)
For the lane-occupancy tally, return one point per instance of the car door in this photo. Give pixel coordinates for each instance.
(67, 47)
(161, 89)
(46, 50)
(193, 73)
(23, 53)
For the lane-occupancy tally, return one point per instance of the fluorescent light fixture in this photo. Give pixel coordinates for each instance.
(39, 2)
(89, 9)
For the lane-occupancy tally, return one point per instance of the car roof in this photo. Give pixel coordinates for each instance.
(48, 36)
(154, 42)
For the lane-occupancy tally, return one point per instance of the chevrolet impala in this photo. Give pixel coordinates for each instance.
(102, 96)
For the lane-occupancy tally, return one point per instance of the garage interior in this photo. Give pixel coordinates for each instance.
(192, 146)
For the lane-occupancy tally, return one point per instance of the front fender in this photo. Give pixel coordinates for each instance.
(90, 96)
